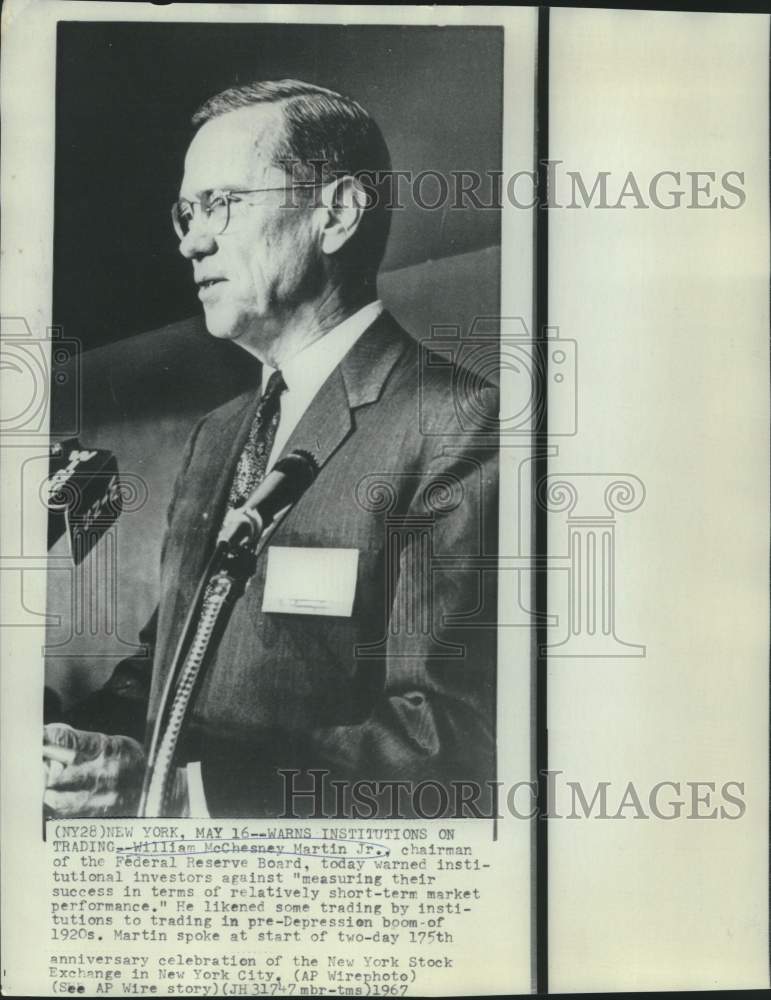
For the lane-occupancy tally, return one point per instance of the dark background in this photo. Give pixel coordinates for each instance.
(125, 94)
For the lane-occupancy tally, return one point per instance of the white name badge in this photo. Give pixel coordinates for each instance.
(301, 581)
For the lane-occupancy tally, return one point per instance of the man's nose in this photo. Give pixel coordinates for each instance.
(197, 243)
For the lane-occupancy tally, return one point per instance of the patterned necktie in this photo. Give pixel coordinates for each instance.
(253, 461)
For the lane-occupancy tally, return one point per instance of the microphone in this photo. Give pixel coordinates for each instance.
(289, 478)
(82, 495)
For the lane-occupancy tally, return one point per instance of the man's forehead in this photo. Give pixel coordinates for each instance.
(234, 149)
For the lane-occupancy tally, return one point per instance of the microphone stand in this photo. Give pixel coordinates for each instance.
(222, 584)
(233, 562)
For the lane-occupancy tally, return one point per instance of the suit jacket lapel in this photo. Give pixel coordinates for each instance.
(357, 381)
(369, 362)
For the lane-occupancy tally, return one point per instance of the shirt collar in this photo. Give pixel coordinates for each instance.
(305, 372)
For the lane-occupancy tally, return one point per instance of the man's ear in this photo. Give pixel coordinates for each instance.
(342, 205)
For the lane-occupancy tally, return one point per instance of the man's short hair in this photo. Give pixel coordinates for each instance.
(326, 135)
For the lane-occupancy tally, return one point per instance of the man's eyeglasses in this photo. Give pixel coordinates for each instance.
(214, 208)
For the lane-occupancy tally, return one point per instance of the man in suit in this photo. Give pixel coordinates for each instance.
(364, 645)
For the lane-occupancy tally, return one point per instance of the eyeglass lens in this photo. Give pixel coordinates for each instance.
(213, 211)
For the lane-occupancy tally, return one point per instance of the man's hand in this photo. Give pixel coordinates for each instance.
(90, 774)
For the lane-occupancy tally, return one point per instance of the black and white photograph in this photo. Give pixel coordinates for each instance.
(384, 538)
(262, 245)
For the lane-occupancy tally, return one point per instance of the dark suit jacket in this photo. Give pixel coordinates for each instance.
(404, 688)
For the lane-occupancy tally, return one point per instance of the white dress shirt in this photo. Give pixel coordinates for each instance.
(304, 374)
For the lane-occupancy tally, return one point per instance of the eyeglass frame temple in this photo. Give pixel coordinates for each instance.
(231, 191)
